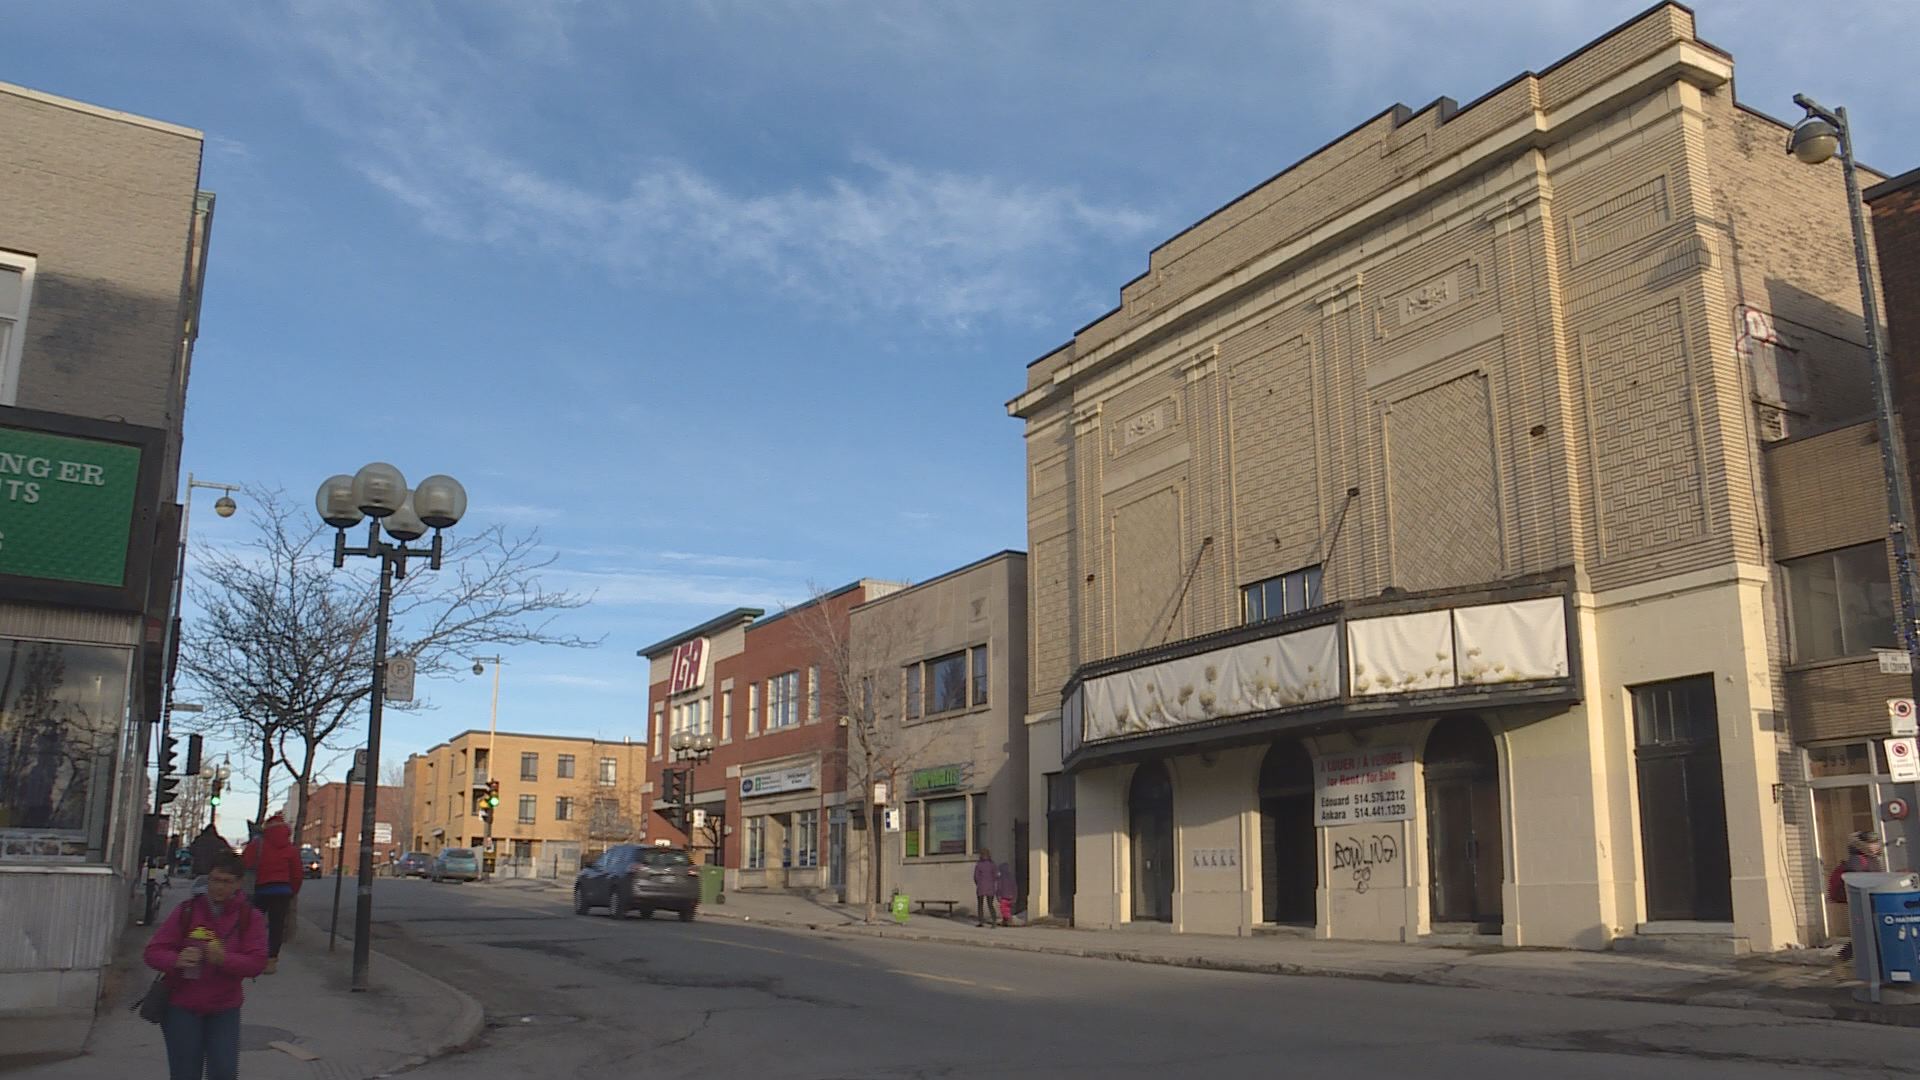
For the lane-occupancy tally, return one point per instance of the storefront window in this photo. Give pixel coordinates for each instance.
(62, 709)
(1844, 759)
(806, 840)
(947, 826)
(756, 843)
(913, 829)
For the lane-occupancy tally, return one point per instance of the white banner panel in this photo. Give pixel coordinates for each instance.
(1398, 654)
(1512, 642)
(1272, 673)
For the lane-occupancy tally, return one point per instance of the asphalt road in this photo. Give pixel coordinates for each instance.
(585, 996)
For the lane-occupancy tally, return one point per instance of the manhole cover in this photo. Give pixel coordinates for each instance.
(258, 1036)
(533, 1020)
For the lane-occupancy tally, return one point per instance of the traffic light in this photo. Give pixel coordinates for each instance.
(193, 755)
(165, 784)
(214, 798)
(673, 786)
(493, 794)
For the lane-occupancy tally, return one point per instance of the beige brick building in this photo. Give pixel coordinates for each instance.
(562, 799)
(1403, 561)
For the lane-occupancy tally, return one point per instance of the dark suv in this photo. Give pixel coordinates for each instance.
(630, 877)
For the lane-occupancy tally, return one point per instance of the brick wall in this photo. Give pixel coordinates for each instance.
(1895, 210)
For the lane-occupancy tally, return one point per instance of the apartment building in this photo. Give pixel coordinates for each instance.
(769, 802)
(942, 668)
(103, 247)
(1405, 560)
(332, 825)
(562, 798)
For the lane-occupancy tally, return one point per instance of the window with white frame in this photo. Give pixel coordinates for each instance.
(529, 766)
(609, 772)
(980, 675)
(756, 853)
(806, 838)
(783, 701)
(529, 805)
(563, 767)
(813, 694)
(726, 715)
(16, 286)
(1277, 597)
(563, 808)
(1840, 603)
(753, 708)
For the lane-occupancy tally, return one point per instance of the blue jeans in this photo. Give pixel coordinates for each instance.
(202, 1044)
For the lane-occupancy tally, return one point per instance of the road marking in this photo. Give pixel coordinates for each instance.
(741, 945)
(948, 979)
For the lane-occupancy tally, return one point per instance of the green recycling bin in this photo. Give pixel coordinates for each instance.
(713, 884)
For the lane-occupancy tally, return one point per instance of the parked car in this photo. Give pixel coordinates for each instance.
(630, 877)
(310, 860)
(414, 864)
(456, 864)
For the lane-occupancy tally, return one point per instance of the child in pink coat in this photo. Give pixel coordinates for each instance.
(205, 947)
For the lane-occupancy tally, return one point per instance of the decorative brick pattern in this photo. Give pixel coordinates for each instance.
(1618, 221)
(1050, 643)
(1646, 448)
(1148, 564)
(1446, 518)
(1276, 477)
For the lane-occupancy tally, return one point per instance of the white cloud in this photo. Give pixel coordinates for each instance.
(876, 234)
(585, 682)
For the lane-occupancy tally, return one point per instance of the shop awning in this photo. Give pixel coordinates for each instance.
(1337, 667)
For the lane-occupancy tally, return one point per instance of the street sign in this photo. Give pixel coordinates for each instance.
(880, 794)
(1901, 715)
(1894, 661)
(1903, 763)
(400, 678)
(699, 819)
(892, 819)
(382, 832)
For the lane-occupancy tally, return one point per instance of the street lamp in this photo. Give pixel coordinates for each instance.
(378, 492)
(493, 725)
(1815, 140)
(224, 506)
(693, 748)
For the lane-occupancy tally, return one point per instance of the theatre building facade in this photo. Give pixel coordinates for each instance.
(1400, 547)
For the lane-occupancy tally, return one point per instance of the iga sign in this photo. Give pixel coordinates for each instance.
(76, 504)
(689, 670)
(1362, 786)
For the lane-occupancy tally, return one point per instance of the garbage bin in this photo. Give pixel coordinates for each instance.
(1896, 919)
(713, 884)
(1884, 910)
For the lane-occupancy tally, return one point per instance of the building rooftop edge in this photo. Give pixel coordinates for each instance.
(102, 111)
(737, 615)
(1910, 178)
(1004, 553)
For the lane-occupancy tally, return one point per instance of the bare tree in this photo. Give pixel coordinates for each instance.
(283, 650)
(876, 749)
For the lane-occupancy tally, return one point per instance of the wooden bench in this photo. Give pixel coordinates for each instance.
(949, 905)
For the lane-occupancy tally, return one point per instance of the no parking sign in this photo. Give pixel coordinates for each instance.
(1902, 761)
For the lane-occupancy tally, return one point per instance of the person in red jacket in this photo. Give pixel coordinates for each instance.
(1864, 855)
(205, 947)
(277, 875)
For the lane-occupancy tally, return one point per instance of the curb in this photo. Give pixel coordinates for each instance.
(1893, 1016)
(465, 1031)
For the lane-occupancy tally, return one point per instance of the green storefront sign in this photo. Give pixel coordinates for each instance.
(67, 507)
(940, 778)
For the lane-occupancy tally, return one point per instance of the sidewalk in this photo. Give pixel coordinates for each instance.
(302, 1021)
(1805, 983)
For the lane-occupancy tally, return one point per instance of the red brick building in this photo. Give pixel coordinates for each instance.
(770, 803)
(1894, 207)
(322, 830)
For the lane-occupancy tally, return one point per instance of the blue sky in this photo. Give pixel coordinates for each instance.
(727, 298)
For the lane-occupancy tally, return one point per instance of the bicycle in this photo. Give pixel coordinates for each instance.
(155, 884)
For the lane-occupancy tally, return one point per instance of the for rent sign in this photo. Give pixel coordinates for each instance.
(1363, 786)
(68, 506)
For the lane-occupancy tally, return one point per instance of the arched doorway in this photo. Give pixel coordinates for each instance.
(1289, 866)
(1464, 860)
(1150, 830)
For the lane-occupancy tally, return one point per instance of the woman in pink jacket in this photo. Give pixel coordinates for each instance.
(205, 947)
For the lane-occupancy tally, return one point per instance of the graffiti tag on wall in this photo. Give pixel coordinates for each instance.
(1360, 854)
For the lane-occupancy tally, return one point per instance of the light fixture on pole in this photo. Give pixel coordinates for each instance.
(224, 506)
(482, 780)
(691, 748)
(1821, 135)
(378, 493)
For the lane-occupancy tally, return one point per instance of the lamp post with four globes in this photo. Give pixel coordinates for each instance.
(378, 492)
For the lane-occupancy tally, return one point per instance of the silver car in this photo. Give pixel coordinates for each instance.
(630, 877)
